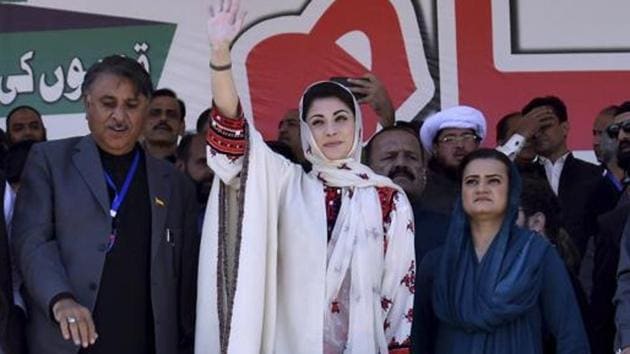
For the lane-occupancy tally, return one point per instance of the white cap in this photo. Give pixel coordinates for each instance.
(463, 117)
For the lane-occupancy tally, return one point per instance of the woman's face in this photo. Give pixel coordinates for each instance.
(485, 189)
(332, 124)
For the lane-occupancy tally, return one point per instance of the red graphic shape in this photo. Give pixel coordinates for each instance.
(282, 66)
(497, 93)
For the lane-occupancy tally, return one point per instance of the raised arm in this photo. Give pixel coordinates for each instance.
(376, 95)
(224, 24)
(527, 126)
(226, 132)
(229, 136)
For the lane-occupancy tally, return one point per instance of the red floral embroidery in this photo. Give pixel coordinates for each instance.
(386, 325)
(319, 177)
(333, 203)
(409, 315)
(226, 135)
(335, 307)
(386, 197)
(410, 226)
(386, 303)
(409, 280)
(399, 348)
(344, 166)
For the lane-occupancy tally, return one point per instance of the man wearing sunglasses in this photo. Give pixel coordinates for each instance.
(610, 227)
(614, 241)
(620, 130)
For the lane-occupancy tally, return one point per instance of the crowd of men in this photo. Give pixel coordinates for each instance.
(71, 274)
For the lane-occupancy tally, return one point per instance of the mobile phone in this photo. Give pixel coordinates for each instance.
(344, 81)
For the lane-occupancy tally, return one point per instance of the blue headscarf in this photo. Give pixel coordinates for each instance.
(486, 298)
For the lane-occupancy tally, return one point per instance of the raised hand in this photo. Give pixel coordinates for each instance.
(376, 96)
(225, 22)
(535, 120)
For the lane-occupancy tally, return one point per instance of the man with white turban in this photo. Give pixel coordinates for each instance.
(448, 136)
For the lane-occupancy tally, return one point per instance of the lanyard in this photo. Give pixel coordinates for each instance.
(119, 197)
(613, 179)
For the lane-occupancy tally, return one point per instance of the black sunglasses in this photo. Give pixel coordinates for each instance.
(613, 129)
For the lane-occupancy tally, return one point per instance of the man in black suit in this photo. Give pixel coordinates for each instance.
(12, 308)
(609, 246)
(11, 319)
(573, 180)
(6, 288)
(105, 234)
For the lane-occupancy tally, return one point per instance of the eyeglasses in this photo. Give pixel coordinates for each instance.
(453, 139)
(613, 129)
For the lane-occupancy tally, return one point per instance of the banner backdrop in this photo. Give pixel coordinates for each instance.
(492, 54)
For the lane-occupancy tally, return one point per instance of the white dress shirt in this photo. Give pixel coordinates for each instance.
(553, 170)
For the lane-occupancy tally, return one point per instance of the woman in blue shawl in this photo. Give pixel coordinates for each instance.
(493, 287)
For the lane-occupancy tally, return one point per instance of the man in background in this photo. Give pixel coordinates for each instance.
(164, 125)
(25, 123)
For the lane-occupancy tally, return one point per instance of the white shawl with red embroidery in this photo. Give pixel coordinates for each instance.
(270, 289)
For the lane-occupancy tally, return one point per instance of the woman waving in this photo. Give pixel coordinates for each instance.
(294, 262)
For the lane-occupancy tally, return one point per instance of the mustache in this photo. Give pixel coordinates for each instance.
(164, 126)
(401, 171)
(624, 144)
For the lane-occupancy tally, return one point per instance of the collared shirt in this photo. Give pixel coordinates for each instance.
(9, 203)
(553, 170)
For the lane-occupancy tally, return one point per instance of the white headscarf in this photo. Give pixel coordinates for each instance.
(347, 172)
(359, 233)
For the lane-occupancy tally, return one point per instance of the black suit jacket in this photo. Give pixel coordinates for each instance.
(12, 318)
(6, 291)
(431, 229)
(606, 259)
(579, 181)
(622, 293)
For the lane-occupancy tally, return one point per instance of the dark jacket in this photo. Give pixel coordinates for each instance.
(12, 317)
(622, 292)
(60, 227)
(441, 190)
(578, 182)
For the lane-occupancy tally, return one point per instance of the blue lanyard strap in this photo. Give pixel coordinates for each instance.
(119, 197)
(613, 179)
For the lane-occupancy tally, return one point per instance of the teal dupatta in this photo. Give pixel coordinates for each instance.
(487, 299)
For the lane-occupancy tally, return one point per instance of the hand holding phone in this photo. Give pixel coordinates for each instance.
(344, 81)
(369, 90)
